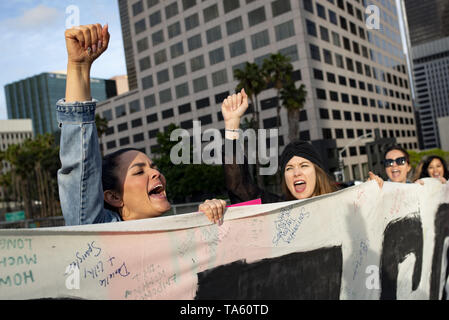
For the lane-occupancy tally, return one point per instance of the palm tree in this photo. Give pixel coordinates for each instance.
(102, 127)
(251, 79)
(277, 71)
(293, 99)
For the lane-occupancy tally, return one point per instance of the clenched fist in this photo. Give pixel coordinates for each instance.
(86, 43)
(233, 108)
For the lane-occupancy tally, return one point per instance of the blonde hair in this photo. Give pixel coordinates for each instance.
(324, 184)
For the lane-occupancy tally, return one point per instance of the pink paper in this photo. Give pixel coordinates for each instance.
(247, 203)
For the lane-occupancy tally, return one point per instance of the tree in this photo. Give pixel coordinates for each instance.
(102, 127)
(32, 177)
(293, 99)
(277, 71)
(187, 182)
(251, 79)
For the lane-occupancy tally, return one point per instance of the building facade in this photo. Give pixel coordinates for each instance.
(427, 20)
(184, 54)
(431, 74)
(35, 98)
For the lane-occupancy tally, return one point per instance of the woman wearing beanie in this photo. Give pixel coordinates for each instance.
(302, 170)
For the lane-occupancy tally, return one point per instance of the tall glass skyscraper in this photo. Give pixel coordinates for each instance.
(35, 98)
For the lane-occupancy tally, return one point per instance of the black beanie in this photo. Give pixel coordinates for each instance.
(301, 149)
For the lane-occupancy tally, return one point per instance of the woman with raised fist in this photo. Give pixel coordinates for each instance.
(125, 185)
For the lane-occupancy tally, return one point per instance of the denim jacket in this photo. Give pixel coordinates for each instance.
(79, 178)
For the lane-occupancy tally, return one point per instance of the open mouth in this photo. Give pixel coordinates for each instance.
(300, 185)
(158, 191)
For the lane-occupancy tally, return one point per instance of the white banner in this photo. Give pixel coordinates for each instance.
(359, 243)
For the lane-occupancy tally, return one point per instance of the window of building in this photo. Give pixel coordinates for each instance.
(202, 103)
(256, 16)
(157, 38)
(219, 77)
(327, 56)
(234, 25)
(165, 95)
(311, 28)
(308, 5)
(111, 144)
(291, 52)
(320, 10)
(167, 114)
(120, 111)
(210, 13)
(142, 45)
(144, 63)
(124, 141)
(122, 126)
(179, 70)
(330, 77)
(187, 4)
(332, 17)
(336, 114)
(339, 134)
(152, 118)
(213, 34)
(315, 52)
(134, 106)
(284, 30)
(160, 57)
(327, 133)
(155, 18)
(192, 21)
(152, 3)
(324, 113)
(176, 50)
(324, 33)
(171, 10)
(174, 30)
(138, 137)
(182, 90)
(149, 101)
(107, 114)
(260, 39)
(318, 74)
(350, 133)
(137, 8)
(207, 119)
(200, 84)
(339, 61)
(184, 108)
(140, 26)
(230, 5)
(237, 48)
(216, 56)
(136, 123)
(333, 95)
(162, 76)
(197, 63)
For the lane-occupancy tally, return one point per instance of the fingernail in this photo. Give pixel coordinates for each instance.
(89, 50)
(94, 48)
(99, 44)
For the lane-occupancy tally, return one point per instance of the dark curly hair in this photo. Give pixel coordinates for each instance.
(426, 163)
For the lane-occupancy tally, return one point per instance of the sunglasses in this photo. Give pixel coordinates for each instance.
(399, 161)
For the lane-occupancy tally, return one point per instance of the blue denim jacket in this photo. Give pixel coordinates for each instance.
(79, 179)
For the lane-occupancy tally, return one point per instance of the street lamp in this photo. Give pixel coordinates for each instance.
(341, 174)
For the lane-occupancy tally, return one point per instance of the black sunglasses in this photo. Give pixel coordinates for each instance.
(399, 161)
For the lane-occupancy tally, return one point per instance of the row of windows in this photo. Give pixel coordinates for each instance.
(367, 117)
(19, 135)
(258, 40)
(354, 65)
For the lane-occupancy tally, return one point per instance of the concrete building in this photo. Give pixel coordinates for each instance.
(35, 98)
(13, 132)
(121, 83)
(443, 128)
(431, 74)
(181, 56)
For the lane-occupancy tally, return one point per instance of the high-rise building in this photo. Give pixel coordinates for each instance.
(35, 98)
(431, 74)
(427, 31)
(427, 20)
(184, 53)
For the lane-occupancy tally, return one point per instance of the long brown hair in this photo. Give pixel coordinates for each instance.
(324, 184)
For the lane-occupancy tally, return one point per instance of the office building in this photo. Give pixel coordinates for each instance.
(35, 98)
(181, 56)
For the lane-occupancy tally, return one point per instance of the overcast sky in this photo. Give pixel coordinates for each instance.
(32, 38)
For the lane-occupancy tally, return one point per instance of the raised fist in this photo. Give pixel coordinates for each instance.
(86, 43)
(233, 108)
